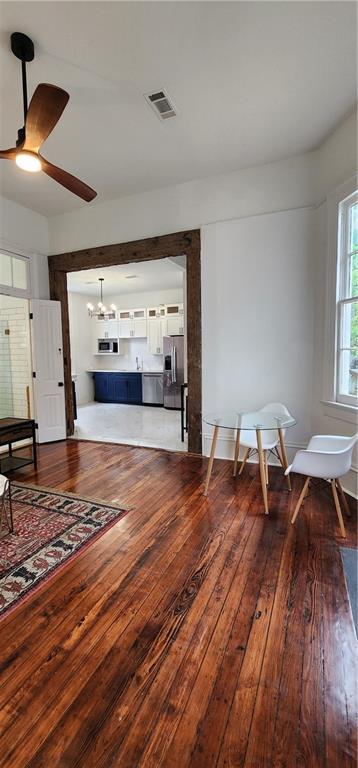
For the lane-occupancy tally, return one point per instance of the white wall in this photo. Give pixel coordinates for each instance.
(258, 318)
(261, 189)
(81, 346)
(26, 232)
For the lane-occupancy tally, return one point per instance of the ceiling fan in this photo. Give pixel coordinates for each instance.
(40, 118)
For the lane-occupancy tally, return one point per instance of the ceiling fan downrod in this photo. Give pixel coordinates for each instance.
(23, 48)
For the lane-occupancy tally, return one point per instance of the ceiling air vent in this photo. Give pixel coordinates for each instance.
(161, 104)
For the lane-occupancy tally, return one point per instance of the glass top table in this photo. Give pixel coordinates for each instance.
(268, 437)
(252, 420)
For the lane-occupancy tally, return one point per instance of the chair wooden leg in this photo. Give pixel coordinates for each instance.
(343, 497)
(338, 508)
(211, 460)
(300, 500)
(237, 449)
(262, 470)
(246, 456)
(283, 457)
(266, 468)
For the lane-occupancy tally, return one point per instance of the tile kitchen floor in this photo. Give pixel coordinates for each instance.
(131, 424)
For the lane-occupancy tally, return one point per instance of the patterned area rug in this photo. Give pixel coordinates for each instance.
(50, 528)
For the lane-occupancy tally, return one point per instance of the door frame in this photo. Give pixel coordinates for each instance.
(185, 243)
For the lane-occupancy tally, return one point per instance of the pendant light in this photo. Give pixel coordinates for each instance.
(101, 313)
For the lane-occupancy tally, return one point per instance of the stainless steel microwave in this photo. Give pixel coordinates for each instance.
(108, 346)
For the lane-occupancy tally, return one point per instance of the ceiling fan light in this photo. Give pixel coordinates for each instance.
(28, 161)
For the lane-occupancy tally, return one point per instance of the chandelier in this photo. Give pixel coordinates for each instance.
(101, 312)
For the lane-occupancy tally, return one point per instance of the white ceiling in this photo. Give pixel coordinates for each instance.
(252, 81)
(156, 275)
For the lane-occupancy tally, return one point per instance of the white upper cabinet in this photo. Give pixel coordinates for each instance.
(175, 325)
(107, 329)
(132, 323)
(153, 312)
(175, 319)
(172, 310)
(157, 328)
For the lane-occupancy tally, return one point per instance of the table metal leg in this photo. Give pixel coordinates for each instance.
(284, 457)
(237, 450)
(211, 460)
(262, 470)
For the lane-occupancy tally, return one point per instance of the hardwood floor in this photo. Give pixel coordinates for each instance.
(196, 632)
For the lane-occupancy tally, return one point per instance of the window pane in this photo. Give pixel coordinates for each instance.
(349, 326)
(348, 355)
(349, 372)
(353, 228)
(19, 273)
(5, 269)
(354, 274)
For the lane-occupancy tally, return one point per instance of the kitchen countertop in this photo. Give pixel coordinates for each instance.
(123, 370)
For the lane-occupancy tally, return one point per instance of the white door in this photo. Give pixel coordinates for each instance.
(47, 364)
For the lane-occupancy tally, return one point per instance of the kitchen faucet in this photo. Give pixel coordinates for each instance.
(137, 362)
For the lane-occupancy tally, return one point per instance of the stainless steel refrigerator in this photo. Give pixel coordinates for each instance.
(173, 373)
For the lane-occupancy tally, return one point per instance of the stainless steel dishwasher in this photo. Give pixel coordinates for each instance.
(152, 388)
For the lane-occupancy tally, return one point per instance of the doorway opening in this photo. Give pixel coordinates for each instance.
(185, 243)
(127, 326)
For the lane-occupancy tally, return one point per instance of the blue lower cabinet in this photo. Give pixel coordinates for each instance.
(101, 387)
(134, 394)
(118, 388)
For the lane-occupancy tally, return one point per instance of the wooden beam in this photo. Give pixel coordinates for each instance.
(160, 247)
(58, 292)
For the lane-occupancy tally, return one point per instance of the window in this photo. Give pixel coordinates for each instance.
(347, 302)
(14, 274)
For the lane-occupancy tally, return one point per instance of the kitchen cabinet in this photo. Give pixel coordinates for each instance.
(132, 323)
(104, 329)
(153, 312)
(175, 325)
(174, 309)
(156, 330)
(118, 387)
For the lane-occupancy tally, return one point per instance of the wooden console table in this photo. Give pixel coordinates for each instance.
(12, 430)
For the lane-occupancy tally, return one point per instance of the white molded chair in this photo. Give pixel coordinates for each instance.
(327, 457)
(270, 440)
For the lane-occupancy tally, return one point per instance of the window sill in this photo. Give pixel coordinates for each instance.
(340, 411)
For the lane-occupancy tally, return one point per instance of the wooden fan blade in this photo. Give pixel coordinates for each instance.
(8, 154)
(76, 186)
(45, 110)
